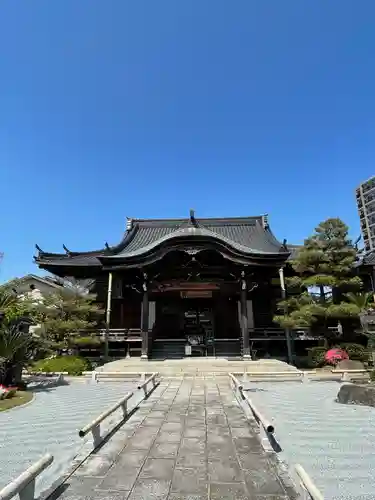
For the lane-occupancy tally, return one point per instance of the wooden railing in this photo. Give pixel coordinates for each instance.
(275, 333)
(114, 334)
(149, 380)
(24, 485)
(121, 334)
(255, 334)
(265, 425)
(266, 333)
(94, 425)
(308, 487)
(310, 491)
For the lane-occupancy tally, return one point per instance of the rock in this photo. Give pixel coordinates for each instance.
(357, 394)
(349, 364)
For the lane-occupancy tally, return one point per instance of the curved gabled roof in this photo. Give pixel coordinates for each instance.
(249, 236)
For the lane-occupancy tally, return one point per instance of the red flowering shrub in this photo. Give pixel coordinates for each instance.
(7, 392)
(333, 356)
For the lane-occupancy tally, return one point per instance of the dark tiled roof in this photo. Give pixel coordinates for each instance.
(244, 234)
(293, 251)
(82, 259)
(146, 236)
(248, 235)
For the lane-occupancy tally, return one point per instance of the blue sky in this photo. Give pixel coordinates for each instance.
(149, 108)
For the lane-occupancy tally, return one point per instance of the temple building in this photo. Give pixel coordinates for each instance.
(182, 287)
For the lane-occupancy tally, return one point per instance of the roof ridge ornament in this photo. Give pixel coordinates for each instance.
(193, 220)
(265, 221)
(357, 241)
(129, 223)
(66, 250)
(38, 248)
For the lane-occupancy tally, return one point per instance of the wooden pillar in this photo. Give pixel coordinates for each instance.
(108, 317)
(373, 281)
(122, 316)
(145, 314)
(244, 326)
(287, 330)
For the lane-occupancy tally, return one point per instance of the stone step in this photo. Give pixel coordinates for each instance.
(195, 367)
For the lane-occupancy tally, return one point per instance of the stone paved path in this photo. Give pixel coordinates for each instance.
(189, 440)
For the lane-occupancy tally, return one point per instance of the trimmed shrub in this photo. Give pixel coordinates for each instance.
(74, 365)
(301, 362)
(356, 351)
(85, 342)
(316, 356)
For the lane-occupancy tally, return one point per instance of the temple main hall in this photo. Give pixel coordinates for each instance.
(187, 287)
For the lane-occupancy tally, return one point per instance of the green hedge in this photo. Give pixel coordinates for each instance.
(316, 356)
(356, 351)
(86, 342)
(74, 365)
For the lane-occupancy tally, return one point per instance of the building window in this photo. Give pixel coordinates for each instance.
(368, 185)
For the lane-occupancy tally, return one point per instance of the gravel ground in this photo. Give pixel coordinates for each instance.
(333, 442)
(50, 424)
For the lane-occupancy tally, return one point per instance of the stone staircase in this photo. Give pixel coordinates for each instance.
(202, 366)
(168, 350)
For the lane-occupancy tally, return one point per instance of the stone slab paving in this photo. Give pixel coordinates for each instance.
(190, 440)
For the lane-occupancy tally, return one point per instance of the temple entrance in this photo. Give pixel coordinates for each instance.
(198, 326)
(187, 325)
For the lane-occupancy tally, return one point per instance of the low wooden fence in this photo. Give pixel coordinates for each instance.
(310, 491)
(267, 429)
(94, 425)
(24, 485)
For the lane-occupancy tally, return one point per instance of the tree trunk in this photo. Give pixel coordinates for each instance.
(17, 373)
(7, 379)
(12, 375)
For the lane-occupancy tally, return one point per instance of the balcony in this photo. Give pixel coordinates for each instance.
(368, 186)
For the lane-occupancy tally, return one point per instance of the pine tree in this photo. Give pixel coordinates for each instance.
(12, 305)
(66, 313)
(324, 269)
